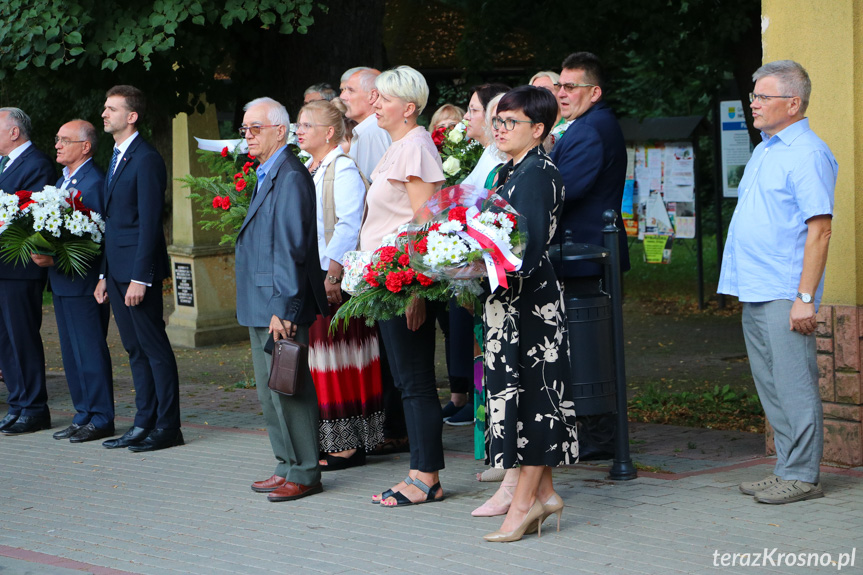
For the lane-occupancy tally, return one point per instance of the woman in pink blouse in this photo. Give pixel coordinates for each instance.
(405, 178)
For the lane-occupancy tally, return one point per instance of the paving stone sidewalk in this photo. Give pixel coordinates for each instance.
(81, 508)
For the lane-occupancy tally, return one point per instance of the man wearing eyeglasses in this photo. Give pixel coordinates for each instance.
(135, 263)
(280, 290)
(22, 359)
(774, 263)
(591, 157)
(82, 322)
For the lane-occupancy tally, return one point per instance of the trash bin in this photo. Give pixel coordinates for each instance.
(592, 387)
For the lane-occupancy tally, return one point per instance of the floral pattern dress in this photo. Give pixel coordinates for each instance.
(530, 420)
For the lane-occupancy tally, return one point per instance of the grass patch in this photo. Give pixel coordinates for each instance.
(719, 408)
(677, 280)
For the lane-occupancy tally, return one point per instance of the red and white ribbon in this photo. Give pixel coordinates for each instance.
(499, 259)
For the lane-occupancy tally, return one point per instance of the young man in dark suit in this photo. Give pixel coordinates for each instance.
(22, 358)
(82, 322)
(280, 290)
(135, 263)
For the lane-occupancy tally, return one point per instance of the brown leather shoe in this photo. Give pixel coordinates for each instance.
(290, 491)
(268, 485)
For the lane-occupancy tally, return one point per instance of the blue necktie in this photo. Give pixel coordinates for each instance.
(113, 164)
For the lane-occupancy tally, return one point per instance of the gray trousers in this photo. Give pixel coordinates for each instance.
(292, 422)
(786, 376)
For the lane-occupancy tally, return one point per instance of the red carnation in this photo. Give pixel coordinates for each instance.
(225, 152)
(23, 195)
(404, 259)
(511, 218)
(226, 202)
(424, 280)
(251, 157)
(371, 278)
(217, 202)
(459, 214)
(434, 227)
(387, 253)
(422, 246)
(407, 276)
(394, 282)
(238, 175)
(246, 167)
(240, 185)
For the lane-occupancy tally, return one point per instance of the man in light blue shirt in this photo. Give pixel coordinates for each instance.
(774, 262)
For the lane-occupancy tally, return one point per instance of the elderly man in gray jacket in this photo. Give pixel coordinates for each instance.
(279, 292)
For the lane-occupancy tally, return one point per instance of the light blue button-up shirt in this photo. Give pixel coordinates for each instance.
(264, 168)
(789, 179)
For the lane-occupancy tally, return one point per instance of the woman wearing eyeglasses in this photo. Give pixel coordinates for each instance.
(530, 424)
(551, 82)
(406, 177)
(345, 365)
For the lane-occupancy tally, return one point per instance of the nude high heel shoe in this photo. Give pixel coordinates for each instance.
(550, 507)
(532, 518)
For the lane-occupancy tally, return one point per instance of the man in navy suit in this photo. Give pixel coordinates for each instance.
(135, 263)
(280, 289)
(82, 322)
(591, 157)
(22, 358)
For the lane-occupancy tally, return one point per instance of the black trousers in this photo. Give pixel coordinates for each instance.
(456, 323)
(411, 358)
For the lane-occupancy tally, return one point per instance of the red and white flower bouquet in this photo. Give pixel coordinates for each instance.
(457, 237)
(51, 222)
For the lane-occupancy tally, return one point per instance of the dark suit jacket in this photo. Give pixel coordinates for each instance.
(30, 171)
(591, 157)
(135, 246)
(90, 181)
(277, 265)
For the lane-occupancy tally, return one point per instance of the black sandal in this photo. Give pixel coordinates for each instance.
(402, 501)
(336, 463)
(389, 492)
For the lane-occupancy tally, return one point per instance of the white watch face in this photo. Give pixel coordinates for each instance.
(805, 297)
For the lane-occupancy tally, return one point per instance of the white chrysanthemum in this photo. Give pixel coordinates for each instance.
(444, 250)
(450, 226)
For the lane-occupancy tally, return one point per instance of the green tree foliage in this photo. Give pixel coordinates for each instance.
(54, 33)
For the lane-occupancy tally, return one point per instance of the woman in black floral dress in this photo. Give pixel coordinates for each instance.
(530, 423)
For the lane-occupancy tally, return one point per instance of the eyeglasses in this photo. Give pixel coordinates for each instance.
(255, 130)
(763, 99)
(570, 87)
(66, 141)
(497, 122)
(305, 126)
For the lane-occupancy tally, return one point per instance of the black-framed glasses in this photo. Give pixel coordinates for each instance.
(763, 98)
(66, 141)
(255, 130)
(570, 86)
(509, 123)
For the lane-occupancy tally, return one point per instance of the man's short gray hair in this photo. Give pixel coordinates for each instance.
(791, 76)
(406, 83)
(367, 77)
(325, 90)
(277, 115)
(88, 133)
(20, 120)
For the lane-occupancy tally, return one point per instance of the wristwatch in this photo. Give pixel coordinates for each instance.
(805, 297)
(333, 279)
